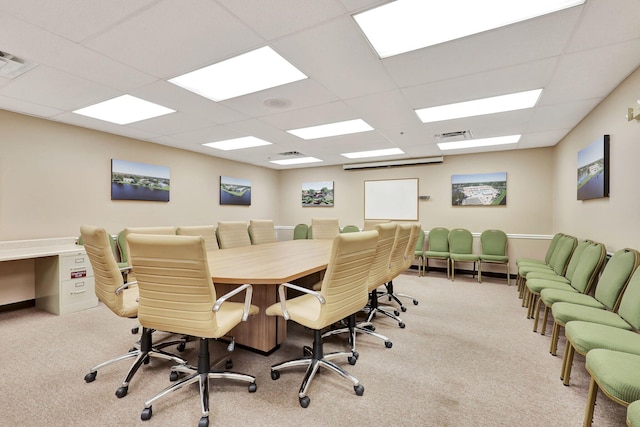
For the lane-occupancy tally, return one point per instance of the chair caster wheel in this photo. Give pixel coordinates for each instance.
(415, 302)
(121, 392)
(402, 325)
(304, 401)
(275, 375)
(396, 312)
(181, 347)
(228, 364)
(388, 344)
(353, 358)
(252, 388)
(359, 389)
(403, 308)
(146, 414)
(204, 422)
(370, 327)
(90, 377)
(135, 330)
(173, 376)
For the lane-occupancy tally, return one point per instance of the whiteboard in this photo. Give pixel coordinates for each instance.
(394, 199)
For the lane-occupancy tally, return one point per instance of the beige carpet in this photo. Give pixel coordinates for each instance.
(467, 357)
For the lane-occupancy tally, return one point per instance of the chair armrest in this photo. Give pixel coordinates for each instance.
(283, 296)
(125, 286)
(247, 300)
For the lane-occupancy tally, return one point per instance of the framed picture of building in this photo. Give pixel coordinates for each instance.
(483, 189)
(317, 194)
(593, 170)
(235, 191)
(139, 181)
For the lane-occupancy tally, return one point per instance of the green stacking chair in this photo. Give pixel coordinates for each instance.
(438, 240)
(349, 229)
(300, 231)
(561, 253)
(494, 250)
(419, 252)
(547, 257)
(461, 249)
(612, 281)
(617, 376)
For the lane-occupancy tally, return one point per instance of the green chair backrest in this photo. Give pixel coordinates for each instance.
(493, 242)
(122, 247)
(564, 250)
(630, 304)
(589, 266)
(552, 247)
(439, 239)
(420, 243)
(615, 277)
(575, 258)
(460, 241)
(349, 229)
(300, 231)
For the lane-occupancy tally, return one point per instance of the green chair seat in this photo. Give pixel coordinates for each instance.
(585, 336)
(551, 296)
(537, 285)
(436, 254)
(547, 276)
(464, 257)
(633, 410)
(564, 312)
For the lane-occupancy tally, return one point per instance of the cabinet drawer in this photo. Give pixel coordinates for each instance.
(76, 291)
(75, 266)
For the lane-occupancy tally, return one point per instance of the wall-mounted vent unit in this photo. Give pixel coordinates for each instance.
(460, 135)
(11, 66)
(394, 163)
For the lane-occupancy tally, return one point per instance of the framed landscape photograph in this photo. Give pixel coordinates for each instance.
(235, 191)
(483, 189)
(317, 193)
(139, 181)
(593, 170)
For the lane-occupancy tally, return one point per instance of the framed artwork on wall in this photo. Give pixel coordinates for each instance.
(593, 170)
(481, 189)
(317, 194)
(139, 181)
(235, 191)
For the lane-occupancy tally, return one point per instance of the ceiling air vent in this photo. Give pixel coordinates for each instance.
(291, 154)
(460, 135)
(11, 66)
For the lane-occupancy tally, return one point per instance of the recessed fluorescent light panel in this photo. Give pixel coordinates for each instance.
(124, 109)
(247, 73)
(332, 129)
(405, 25)
(238, 143)
(373, 153)
(297, 161)
(478, 107)
(484, 142)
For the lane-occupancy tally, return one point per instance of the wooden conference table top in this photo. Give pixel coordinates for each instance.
(269, 263)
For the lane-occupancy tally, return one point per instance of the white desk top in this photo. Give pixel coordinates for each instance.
(26, 249)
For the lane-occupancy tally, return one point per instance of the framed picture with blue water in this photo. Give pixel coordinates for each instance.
(235, 191)
(139, 181)
(593, 170)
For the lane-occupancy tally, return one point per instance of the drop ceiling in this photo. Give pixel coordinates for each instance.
(89, 51)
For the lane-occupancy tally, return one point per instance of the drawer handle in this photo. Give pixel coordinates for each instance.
(78, 292)
(79, 260)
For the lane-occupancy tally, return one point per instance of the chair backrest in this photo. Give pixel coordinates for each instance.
(588, 268)
(460, 241)
(615, 277)
(419, 248)
(176, 291)
(493, 242)
(563, 252)
(409, 253)
(232, 234)
(262, 231)
(344, 286)
(397, 257)
(350, 229)
(370, 224)
(380, 265)
(107, 275)
(629, 308)
(206, 231)
(164, 230)
(300, 231)
(324, 228)
(575, 258)
(552, 247)
(439, 239)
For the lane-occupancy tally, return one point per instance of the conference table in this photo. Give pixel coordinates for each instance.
(265, 267)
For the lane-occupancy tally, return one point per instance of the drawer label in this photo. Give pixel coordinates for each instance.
(78, 274)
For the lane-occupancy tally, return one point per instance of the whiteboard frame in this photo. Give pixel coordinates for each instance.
(392, 199)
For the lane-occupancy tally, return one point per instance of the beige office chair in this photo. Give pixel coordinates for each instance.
(343, 293)
(232, 234)
(262, 231)
(378, 274)
(177, 295)
(208, 232)
(409, 257)
(370, 224)
(324, 228)
(121, 299)
(168, 230)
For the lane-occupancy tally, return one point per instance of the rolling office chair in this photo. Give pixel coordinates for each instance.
(121, 299)
(232, 234)
(262, 231)
(208, 232)
(324, 228)
(343, 293)
(165, 267)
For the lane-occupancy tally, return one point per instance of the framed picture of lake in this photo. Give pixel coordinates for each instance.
(139, 181)
(482, 189)
(235, 191)
(593, 170)
(318, 194)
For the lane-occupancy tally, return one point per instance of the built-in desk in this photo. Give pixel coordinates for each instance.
(56, 273)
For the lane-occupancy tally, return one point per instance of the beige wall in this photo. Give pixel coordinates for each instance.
(55, 177)
(614, 220)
